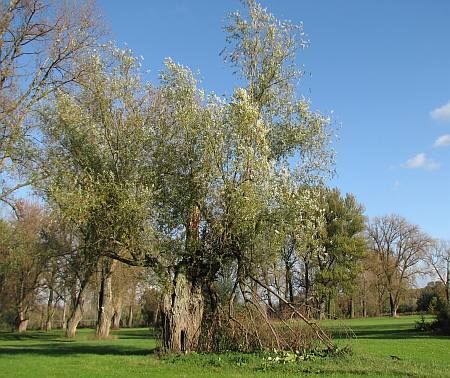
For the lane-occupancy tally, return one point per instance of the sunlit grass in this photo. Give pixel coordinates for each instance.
(382, 347)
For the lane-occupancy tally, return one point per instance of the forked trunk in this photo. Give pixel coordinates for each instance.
(116, 317)
(394, 305)
(105, 303)
(77, 311)
(73, 321)
(21, 321)
(182, 314)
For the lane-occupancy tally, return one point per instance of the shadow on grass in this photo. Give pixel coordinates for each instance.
(53, 343)
(136, 333)
(381, 332)
(58, 349)
(33, 335)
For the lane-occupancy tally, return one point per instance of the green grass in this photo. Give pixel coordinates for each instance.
(131, 353)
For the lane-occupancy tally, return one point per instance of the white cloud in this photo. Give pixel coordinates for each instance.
(421, 161)
(442, 113)
(442, 141)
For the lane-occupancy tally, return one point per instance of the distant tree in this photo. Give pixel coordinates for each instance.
(438, 260)
(431, 297)
(343, 246)
(399, 247)
(23, 261)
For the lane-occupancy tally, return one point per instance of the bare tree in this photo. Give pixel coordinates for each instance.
(23, 259)
(438, 260)
(40, 41)
(399, 246)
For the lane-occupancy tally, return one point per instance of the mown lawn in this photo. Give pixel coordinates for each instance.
(131, 352)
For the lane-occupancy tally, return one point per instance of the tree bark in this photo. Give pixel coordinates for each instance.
(289, 284)
(21, 321)
(50, 311)
(117, 314)
(447, 283)
(307, 283)
(130, 317)
(75, 317)
(352, 307)
(77, 311)
(322, 308)
(394, 306)
(105, 303)
(182, 314)
(64, 324)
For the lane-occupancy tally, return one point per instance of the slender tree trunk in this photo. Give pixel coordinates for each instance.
(364, 299)
(289, 285)
(352, 307)
(329, 313)
(364, 305)
(130, 310)
(322, 308)
(50, 311)
(182, 314)
(156, 316)
(105, 303)
(307, 283)
(117, 314)
(130, 317)
(64, 324)
(447, 284)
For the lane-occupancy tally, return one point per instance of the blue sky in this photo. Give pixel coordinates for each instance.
(381, 66)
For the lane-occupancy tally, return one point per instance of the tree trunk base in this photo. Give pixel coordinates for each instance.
(182, 315)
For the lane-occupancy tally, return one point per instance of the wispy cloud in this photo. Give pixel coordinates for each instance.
(442, 113)
(442, 141)
(421, 161)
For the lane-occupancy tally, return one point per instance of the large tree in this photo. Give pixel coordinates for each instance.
(233, 155)
(399, 247)
(181, 181)
(95, 160)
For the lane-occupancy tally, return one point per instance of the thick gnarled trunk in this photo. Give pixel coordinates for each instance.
(182, 314)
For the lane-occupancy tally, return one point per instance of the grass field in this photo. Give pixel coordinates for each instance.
(131, 352)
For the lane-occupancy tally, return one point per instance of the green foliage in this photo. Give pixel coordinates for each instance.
(343, 242)
(431, 297)
(95, 156)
